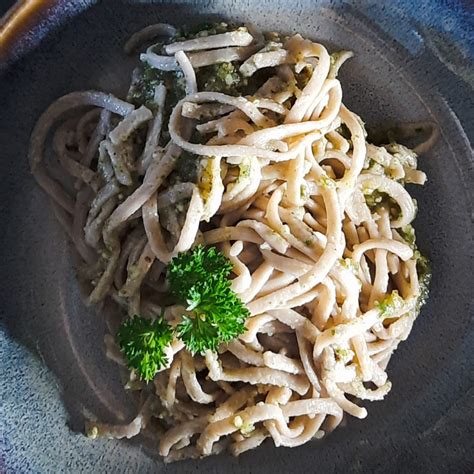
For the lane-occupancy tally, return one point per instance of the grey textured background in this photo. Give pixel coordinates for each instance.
(413, 61)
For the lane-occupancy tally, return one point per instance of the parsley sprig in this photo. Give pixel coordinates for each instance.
(199, 280)
(143, 342)
(218, 316)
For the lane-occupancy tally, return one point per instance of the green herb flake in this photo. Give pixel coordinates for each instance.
(304, 192)
(243, 426)
(349, 264)
(244, 170)
(391, 304)
(343, 354)
(327, 182)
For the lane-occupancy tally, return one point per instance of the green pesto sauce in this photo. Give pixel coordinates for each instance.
(408, 235)
(204, 29)
(423, 268)
(303, 77)
(142, 90)
(390, 304)
(344, 131)
(222, 77)
(187, 167)
(226, 78)
(376, 199)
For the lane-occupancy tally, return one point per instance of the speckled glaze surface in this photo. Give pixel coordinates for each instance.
(414, 61)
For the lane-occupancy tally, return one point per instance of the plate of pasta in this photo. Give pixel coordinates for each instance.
(240, 261)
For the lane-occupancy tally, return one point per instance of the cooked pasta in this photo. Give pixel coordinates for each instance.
(239, 140)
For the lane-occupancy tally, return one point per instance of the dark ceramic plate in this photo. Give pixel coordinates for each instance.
(413, 62)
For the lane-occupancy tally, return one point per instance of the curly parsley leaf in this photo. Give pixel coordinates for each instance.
(143, 343)
(196, 267)
(199, 281)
